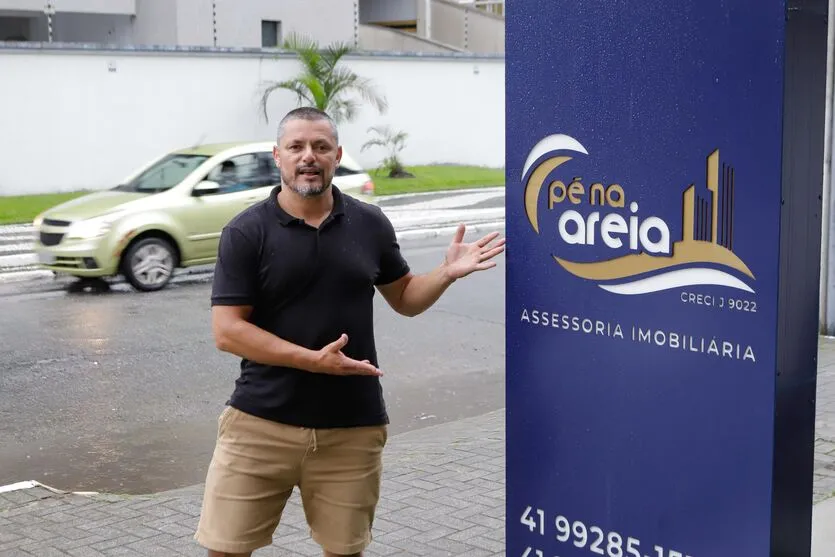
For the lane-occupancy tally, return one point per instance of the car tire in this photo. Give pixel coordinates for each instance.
(149, 264)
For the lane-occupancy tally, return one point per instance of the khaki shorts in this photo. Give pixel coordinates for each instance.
(257, 463)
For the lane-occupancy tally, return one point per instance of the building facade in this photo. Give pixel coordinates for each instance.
(405, 25)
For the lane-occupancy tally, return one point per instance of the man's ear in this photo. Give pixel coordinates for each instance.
(276, 156)
(339, 154)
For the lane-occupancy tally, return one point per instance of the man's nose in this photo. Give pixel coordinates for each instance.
(307, 155)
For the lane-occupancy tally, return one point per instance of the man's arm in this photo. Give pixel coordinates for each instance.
(411, 295)
(233, 333)
(414, 294)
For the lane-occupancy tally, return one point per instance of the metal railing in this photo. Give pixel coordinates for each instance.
(495, 7)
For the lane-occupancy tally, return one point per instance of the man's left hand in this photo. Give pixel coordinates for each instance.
(463, 259)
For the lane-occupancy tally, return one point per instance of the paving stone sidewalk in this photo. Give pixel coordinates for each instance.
(443, 495)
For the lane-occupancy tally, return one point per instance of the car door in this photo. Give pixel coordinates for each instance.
(243, 180)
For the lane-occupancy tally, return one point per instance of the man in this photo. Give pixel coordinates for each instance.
(292, 296)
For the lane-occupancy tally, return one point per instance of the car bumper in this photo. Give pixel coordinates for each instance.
(82, 258)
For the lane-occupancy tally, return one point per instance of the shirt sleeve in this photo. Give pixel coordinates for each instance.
(393, 265)
(236, 270)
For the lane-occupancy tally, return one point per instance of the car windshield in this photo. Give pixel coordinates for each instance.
(164, 174)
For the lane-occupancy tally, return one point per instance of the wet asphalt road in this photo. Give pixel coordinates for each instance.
(120, 391)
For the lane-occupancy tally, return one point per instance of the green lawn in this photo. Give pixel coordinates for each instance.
(18, 209)
(437, 178)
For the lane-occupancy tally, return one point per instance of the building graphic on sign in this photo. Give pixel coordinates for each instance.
(703, 256)
(709, 218)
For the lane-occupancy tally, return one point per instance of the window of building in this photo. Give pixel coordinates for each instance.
(270, 33)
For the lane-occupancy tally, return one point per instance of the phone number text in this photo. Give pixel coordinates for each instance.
(594, 538)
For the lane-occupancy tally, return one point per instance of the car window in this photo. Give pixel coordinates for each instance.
(164, 174)
(244, 172)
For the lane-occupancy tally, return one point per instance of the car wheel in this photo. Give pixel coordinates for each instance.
(149, 263)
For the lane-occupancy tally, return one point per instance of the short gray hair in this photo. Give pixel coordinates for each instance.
(306, 113)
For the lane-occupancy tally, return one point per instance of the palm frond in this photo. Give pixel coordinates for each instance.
(297, 86)
(373, 143)
(342, 110)
(399, 139)
(334, 53)
(345, 80)
(321, 83)
(309, 54)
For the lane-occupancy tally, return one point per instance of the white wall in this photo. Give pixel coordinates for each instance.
(156, 23)
(189, 22)
(27, 5)
(84, 119)
(194, 23)
(239, 21)
(121, 7)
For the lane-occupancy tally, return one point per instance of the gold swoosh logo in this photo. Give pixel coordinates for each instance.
(684, 252)
(534, 186)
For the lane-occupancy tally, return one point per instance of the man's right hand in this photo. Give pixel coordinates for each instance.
(332, 361)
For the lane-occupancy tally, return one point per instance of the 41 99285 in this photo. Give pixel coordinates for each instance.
(593, 538)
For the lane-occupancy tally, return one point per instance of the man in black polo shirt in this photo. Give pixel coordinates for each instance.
(293, 298)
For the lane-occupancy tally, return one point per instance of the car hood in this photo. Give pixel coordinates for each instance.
(92, 205)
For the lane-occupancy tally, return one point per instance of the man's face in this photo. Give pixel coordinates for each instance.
(307, 156)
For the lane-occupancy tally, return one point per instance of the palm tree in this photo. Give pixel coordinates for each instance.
(394, 142)
(322, 84)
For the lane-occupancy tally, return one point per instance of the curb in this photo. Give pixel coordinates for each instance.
(16, 229)
(8, 277)
(487, 189)
(426, 233)
(29, 484)
(17, 260)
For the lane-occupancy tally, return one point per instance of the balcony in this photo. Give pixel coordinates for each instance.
(473, 26)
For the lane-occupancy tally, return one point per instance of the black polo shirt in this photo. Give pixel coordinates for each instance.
(308, 286)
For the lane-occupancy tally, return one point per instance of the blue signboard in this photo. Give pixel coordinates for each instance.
(644, 196)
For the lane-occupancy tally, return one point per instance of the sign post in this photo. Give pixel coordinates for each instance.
(664, 168)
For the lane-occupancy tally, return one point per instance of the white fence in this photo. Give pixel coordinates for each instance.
(75, 118)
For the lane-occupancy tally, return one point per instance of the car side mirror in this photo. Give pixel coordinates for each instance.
(205, 187)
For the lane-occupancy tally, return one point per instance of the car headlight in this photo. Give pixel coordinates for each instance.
(91, 228)
(36, 223)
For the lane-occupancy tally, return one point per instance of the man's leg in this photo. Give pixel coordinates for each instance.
(340, 487)
(255, 465)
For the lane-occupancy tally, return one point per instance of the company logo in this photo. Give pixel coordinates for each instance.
(703, 256)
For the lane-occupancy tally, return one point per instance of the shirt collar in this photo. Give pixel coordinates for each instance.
(286, 218)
